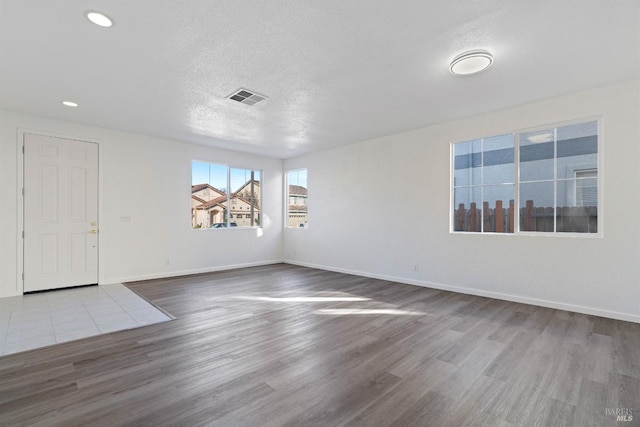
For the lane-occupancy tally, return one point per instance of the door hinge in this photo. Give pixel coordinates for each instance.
(22, 191)
(23, 149)
(23, 277)
(23, 234)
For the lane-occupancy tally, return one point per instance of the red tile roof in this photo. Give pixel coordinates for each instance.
(213, 202)
(297, 190)
(220, 200)
(198, 187)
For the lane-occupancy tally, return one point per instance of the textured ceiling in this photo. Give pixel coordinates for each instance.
(334, 71)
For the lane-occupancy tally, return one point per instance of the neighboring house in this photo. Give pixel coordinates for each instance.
(206, 192)
(203, 194)
(210, 212)
(209, 205)
(195, 202)
(297, 206)
(247, 190)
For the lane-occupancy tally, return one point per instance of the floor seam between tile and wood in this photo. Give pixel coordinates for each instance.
(45, 318)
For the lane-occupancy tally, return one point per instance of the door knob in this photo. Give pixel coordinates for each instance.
(94, 232)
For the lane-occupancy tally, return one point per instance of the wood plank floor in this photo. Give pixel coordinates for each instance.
(283, 345)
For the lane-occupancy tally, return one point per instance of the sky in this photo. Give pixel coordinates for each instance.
(215, 174)
(297, 177)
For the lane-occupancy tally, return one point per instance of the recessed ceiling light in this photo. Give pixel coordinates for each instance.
(98, 18)
(69, 103)
(471, 62)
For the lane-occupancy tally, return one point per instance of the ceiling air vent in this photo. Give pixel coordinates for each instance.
(246, 97)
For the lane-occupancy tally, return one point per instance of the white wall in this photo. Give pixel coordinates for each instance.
(357, 192)
(403, 176)
(148, 179)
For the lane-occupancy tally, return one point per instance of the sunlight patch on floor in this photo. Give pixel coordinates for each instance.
(357, 311)
(302, 299)
(371, 306)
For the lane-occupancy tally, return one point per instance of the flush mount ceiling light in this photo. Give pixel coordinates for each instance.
(471, 62)
(69, 103)
(99, 18)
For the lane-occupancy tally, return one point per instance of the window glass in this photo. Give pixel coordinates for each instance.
(483, 184)
(586, 187)
(536, 206)
(498, 160)
(577, 206)
(296, 199)
(497, 208)
(468, 162)
(555, 175)
(537, 155)
(208, 194)
(214, 206)
(245, 196)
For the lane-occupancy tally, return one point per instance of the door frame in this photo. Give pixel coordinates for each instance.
(20, 202)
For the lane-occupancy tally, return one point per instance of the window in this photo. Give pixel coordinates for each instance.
(483, 185)
(296, 199)
(219, 192)
(537, 181)
(586, 189)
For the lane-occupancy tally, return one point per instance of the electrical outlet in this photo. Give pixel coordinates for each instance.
(416, 267)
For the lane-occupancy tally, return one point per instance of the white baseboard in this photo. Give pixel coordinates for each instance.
(187, 272)
(629, 317)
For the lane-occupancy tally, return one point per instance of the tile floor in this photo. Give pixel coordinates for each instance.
(38, 320)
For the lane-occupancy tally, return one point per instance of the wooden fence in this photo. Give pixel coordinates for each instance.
(500, 219)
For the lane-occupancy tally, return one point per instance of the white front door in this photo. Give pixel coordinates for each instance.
(60, 213)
